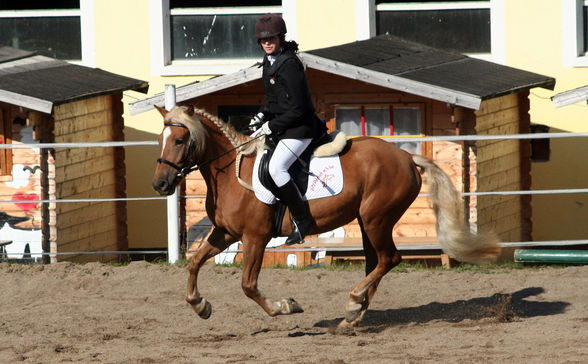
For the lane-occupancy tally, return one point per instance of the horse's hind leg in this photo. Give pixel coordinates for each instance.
(381, 256)
(217, 242)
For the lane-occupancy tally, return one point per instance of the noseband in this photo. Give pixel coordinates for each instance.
(182, 171)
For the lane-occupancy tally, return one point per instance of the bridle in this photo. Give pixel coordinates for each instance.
(187, 169)
(182, 171)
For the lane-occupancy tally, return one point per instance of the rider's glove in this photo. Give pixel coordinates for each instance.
(256, 121)
(264, 130)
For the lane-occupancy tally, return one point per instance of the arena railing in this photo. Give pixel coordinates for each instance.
(173, 256)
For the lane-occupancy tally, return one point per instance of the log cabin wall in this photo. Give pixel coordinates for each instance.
(499, 168)
(89, 173)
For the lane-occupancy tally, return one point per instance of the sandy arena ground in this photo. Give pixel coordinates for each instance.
(137, 314)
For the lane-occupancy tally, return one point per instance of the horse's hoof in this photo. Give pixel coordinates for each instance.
(289, 305)
(206, 311)
(203, 309)
(351, 316)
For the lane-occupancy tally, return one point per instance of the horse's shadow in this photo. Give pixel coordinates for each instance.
(472, 309)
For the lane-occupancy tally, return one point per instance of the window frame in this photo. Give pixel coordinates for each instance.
(161, 58)
(573, 33)
(86, 15)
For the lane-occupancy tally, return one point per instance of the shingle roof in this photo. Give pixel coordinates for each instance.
(410, 61)
(38, 82)
(396, 64)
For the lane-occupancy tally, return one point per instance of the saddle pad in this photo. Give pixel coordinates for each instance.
(325, 179)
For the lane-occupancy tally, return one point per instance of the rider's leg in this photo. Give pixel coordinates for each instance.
(284, 155)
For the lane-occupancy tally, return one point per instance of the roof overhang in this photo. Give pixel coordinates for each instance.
(192, 90)
(392, 81)
(40, 83)
(398, 83)
(25, 101)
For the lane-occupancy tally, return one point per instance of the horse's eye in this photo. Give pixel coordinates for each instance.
(179, 141)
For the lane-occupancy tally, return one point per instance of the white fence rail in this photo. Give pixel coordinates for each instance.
(173, 221)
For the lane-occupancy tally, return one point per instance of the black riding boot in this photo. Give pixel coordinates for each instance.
(303, 221)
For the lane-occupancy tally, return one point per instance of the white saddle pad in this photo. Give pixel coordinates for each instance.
(325, 179)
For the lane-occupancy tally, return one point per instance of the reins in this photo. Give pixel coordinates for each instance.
(184, 171)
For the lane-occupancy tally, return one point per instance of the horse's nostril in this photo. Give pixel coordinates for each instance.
(160, 185)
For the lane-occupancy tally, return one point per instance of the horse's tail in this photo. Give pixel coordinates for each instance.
(453, 233)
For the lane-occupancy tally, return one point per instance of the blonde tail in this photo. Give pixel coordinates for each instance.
(453, 233)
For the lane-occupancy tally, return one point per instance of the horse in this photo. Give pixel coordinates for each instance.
(381, 182)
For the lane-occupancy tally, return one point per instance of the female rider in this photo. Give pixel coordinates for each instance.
(292, 123)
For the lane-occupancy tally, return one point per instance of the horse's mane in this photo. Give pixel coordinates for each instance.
(238, 140)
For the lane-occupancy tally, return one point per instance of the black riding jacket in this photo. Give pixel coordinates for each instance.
(288, 103)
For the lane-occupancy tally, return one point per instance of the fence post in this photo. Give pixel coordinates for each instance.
(173, 218)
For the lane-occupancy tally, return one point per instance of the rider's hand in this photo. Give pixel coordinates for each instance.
(256, 121)
(264, 130)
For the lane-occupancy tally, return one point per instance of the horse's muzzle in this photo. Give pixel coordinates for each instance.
(164, 186)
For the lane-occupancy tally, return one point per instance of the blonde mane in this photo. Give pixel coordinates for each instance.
(244, 144)
(238, 140)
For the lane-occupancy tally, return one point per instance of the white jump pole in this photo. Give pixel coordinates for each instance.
(173, 218)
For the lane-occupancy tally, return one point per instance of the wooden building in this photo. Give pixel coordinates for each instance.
(386, 86)
(43, 100)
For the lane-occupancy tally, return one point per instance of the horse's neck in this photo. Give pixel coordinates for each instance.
(218, 158)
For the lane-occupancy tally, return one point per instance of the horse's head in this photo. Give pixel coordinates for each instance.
(181, 142)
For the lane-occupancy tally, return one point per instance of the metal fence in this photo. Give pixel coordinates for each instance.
(173, 251)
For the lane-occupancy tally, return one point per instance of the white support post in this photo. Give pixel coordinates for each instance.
(173, 218)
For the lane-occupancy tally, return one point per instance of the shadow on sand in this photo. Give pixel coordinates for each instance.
(473, 309)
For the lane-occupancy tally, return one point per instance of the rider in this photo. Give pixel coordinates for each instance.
(292, 123)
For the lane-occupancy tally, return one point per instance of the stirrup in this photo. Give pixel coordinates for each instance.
(295, 236)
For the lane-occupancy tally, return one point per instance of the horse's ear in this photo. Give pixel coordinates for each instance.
(190, 110)
(161, 110)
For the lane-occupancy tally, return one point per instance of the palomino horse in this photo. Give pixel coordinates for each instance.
(381, 181)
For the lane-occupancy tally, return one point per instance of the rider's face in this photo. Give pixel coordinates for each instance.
(270, 44)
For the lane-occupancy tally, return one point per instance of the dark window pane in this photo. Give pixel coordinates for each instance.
(462, 30)
(39, 4)
(214, 36)
(420, 1)
(57, 37)
(221, 3)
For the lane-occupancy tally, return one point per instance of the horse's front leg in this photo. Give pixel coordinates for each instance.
(217, 242)
(253, 250)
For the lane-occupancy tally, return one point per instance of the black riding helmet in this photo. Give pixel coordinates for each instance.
(269, 25)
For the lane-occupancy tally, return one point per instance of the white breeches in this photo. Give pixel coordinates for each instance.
(285, 154)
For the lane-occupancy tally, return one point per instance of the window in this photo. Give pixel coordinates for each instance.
(459, 26)
(208, 37)
(382, 121)
(33, 26)
(575, 32)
